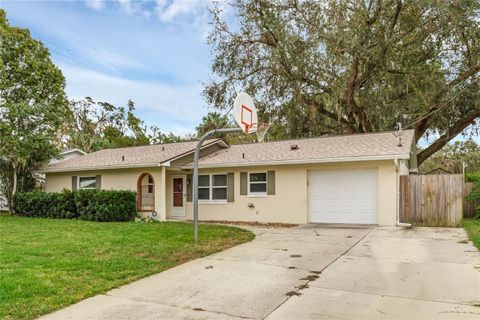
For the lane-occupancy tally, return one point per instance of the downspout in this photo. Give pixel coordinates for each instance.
(397, 204)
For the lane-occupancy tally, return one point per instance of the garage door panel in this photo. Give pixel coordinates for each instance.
(343, 196)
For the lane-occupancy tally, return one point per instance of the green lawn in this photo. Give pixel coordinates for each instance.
(46, 264)
(472, 226)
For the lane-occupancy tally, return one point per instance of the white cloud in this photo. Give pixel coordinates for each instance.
(111, 60)
(95, 4)
(172, 108)
(168, 12)
(126, 6)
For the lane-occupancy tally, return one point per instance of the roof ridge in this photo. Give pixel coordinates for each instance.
(152, 145)
(320, 137)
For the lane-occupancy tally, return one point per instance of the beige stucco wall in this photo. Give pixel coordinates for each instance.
(289, 204)
(121, 179)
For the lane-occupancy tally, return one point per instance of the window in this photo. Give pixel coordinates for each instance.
(219, 187)
(87, 182)
(212, 187)
(145, 193)
(257, 183)
(204, 187)
(150, 184)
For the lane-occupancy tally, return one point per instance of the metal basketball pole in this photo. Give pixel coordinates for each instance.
(195, 173)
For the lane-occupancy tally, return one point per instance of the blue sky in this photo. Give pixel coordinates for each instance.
(153, 52)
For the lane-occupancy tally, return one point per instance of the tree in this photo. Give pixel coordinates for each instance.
(100, 125)
(453, 156)
(327, 67)
(32, 107)
(213, 120)
(157, 137)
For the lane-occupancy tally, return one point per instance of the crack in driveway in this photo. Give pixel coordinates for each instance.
(319, 272)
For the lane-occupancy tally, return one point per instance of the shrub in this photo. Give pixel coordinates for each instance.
(96, 205)
(475, 196)
(59, 205)
(472, 176)
(93, 205)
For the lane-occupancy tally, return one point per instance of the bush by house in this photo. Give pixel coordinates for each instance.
(92, 205)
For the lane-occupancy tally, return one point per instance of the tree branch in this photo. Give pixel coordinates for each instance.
(338, 118)
(364, 124)
(457, 128)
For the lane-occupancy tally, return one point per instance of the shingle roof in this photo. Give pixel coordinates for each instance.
(150, 155)
(353, 147)
(383, 145)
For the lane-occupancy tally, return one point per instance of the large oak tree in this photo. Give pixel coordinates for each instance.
(344, 66)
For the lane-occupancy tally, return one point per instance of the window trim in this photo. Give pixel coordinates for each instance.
(210, 188)
(257, 194)
(89, 176)
(140, 193)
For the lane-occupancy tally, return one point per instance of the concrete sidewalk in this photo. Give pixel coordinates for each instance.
(309, 272)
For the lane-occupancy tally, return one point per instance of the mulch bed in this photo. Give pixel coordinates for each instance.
(268, 225)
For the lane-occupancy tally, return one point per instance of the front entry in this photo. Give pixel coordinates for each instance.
(178, 196)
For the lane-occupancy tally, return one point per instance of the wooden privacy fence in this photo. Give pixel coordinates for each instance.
(432, 200)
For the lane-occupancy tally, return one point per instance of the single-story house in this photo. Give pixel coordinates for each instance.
(40, 178)
(352, 179)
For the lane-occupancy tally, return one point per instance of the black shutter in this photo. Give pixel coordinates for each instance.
(74, 183)
(271, 182)
(98, 182)
(189, 187)
(230, 187)
(243, 183)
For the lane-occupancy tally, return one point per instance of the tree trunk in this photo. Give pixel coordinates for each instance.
(14, 188)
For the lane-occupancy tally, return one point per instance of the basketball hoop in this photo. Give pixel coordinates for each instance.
(260, 129)
(245, 114)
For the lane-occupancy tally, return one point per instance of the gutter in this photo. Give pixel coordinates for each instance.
(94, 168)
(397, 204)
(302, 161)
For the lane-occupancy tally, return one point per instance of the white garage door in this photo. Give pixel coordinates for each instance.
(343, 196)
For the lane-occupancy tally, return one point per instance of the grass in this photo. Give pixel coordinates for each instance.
(47, 264)
(472, 226)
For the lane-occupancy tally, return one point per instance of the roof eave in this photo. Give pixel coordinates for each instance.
(95, 168)
(72, 151)
(221, 142)
(302, 161)
(165, 163)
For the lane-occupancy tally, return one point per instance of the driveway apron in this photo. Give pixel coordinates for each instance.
(310, 272)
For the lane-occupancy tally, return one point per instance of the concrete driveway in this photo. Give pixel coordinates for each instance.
(310, 272)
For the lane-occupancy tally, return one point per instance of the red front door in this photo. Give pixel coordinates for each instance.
(178, 192)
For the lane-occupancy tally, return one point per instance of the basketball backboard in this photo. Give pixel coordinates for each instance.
(245, 113)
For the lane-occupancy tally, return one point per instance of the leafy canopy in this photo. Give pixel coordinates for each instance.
(453, 157)
(100, 125)
(32, 106)
(345, 66)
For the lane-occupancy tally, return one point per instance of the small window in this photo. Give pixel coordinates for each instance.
(257, 183)
(150, 184)
(212, 187)
(146, 192)
(87, 182)
(219, 187)
(204, 187)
